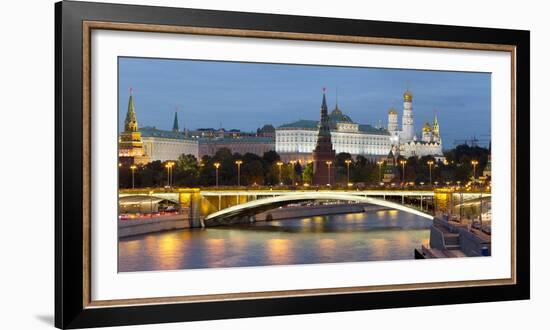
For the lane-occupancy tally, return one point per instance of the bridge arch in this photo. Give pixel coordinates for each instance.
(269, 202)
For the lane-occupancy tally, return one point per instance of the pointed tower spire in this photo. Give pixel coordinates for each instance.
(324, 124)
(435, 128)
(175, 126)
(130, 123)
(336, 107)
(324, 155)
(324, 103)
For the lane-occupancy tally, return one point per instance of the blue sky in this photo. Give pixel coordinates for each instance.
(248, 95)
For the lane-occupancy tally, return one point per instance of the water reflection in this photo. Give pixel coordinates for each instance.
(381, 235)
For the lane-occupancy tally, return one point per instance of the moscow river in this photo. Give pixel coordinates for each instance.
(379, 235)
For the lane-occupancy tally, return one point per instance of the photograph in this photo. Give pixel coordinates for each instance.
(247, 164)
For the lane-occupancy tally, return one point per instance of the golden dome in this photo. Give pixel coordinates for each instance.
(427, 127)
(392, 111)
(408, 97)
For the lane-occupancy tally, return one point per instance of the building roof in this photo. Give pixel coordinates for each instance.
(313, 125)
(336, 116)
(246, 139)
(149, 131)
(373, 130)
(302, 123)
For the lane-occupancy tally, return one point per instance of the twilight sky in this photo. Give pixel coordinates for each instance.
(248, 95)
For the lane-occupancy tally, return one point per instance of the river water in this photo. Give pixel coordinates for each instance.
(380, 235)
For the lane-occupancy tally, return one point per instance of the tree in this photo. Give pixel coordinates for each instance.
(271, 157)
(252, 172)
(186, 171)
(152, 174)
(307, 173)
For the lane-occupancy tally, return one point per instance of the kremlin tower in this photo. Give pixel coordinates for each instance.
(324, 155)
(130, 144)
(407, 122)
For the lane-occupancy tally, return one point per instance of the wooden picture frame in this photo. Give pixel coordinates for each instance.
(74, 307)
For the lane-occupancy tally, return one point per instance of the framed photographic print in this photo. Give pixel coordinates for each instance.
(218, 164)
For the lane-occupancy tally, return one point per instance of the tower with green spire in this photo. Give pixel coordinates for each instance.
(176, 126)
(130, 123)
(324, 155)
(130, 146)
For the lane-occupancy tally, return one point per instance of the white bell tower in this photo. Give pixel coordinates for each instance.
(407, 122)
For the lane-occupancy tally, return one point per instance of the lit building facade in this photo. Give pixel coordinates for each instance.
(242, 145)
(166, 145)
(407, 143)
(297, 140)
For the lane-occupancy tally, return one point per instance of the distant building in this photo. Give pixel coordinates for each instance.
(167, 145)
(130, 143)
(266, 131)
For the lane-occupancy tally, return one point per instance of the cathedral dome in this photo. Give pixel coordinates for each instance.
(407, 96)
(392, 111)
(427, 128)
(336, 116)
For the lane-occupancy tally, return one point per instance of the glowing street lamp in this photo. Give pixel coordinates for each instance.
(328, 165)
(430, 163)
(474, 164)
(133, 168)
(169, 166)
(280, 164)
(238, 162)
(348, 162)
(293, 163)
(380, 163)
(403, 162)
(217, 166)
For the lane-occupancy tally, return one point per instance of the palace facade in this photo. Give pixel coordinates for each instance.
(297, 140)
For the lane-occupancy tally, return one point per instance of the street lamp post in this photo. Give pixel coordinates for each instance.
(403, 162)
(217, 166)
(238, 162)
(133, 168)
(280, 164)
(169, 172)
(151, 208)
(474, 164)
(293, 163)
(348, 162)
(328, 165)
(380, 162)
(430, 163)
